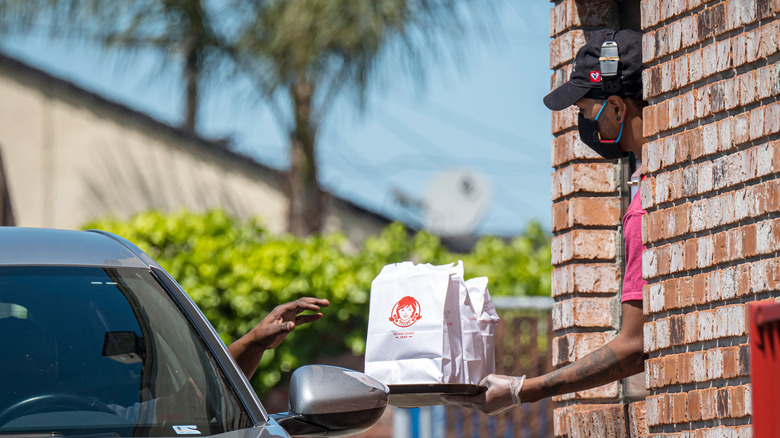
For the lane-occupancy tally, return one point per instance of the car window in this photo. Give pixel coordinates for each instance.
(104, 350)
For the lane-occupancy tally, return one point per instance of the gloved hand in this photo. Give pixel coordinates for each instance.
(502, 393)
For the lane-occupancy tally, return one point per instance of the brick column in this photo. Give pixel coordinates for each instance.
(713, 197)
(586, 247)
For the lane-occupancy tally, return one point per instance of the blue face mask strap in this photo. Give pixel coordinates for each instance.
(600, 111)
(621, 126)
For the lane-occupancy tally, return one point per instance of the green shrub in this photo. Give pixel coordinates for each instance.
(236, 271)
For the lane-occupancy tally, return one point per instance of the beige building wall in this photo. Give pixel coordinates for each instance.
(72, 156)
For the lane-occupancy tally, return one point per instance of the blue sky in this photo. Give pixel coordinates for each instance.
(481, 115)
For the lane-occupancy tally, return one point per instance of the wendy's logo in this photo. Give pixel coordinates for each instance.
(405, 312)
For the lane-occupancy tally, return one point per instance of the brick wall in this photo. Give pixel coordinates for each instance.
(588, 200)
(713, 229)
(713, 197)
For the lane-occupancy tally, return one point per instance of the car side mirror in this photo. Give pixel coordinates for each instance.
(332, 401)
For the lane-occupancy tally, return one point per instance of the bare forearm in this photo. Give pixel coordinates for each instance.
(614, 361)
(246, 354)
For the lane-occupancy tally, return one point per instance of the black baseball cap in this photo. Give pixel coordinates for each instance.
(586, 80)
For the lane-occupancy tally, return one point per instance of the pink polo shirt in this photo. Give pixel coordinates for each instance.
(632, 236)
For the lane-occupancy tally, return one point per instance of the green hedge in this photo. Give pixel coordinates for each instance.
(237, 271)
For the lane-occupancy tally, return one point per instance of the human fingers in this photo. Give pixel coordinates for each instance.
(497, 396)
(302, 305)
(305, 319)
(322, 302)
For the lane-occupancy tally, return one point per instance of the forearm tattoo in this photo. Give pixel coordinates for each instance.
(598, 368)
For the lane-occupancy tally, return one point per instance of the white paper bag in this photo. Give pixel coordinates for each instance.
(414, 326)
(471, 337)
(487, 320)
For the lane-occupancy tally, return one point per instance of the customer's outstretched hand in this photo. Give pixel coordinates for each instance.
(272, 330)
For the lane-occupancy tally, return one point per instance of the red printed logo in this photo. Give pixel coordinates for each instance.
(595, 76)
(405, 312)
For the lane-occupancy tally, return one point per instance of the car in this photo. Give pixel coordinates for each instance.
(97, 339)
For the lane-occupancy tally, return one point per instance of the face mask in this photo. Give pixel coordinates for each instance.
(589, 134)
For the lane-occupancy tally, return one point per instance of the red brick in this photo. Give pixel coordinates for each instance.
(696, 142)
(648, 37)
(689, 253)
(662, 116)
(776, 159)
(594, 211)
(734, 243)
(674, 111)
(772, 190)
(664, 260)
(637, 421)
(607, 420)
(677, 181)
(681, 220)
(695, 65)
(706, 251)
(582, 312)
(585, 177)
(718, 19)
(680, 403)
(723, 405)
(709, 60)
(610, 390)
(725, 141)
(651, 83)
(594, 244)
(740, 128)
(657, 227)
(559, 420)
(694, 405)
(685, 368)
(721, 248)
(691, 326)
(685, 291)
(649, 127)
(574, 346)
(772, 119)
(700, 288)
(654, 369)
(669, 367)
(769, 39)
(756, 129)
(690, 35)
(709, 403)
(670, 293)
(595, 278)
(730, 362)
(743, 280)
(738, 396)
(749, 240)
(591, 13)
(560, 215)
(747, 88)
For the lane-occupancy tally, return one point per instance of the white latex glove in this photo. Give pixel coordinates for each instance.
(503, 392)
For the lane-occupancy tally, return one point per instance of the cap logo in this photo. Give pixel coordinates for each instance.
(595, 76)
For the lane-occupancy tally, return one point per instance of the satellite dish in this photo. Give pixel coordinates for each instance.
(455, 202)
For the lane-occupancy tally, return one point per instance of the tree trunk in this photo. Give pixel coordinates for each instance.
(305, 197)
(6, 210)
(191, 79)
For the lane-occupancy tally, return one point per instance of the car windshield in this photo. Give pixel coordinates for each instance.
(86, 351)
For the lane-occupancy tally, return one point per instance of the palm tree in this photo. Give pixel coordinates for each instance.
(303, 54)
(6, 208)
(179, 29)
